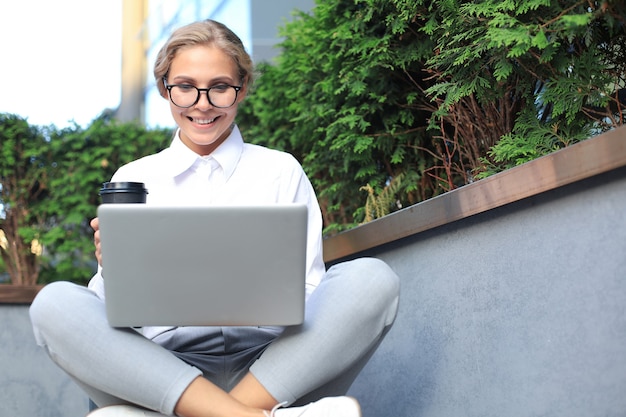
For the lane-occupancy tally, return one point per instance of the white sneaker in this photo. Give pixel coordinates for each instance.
(326, 407)
(123, 411)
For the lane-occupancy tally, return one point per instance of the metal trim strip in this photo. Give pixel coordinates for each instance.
(585, 159)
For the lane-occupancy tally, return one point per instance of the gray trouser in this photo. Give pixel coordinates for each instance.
(346, 318)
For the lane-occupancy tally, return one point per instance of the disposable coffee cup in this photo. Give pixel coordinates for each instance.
(123, 192)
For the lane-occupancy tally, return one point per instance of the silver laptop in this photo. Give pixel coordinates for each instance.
(197, 266)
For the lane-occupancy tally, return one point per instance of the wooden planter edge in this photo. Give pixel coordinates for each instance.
(18, 294)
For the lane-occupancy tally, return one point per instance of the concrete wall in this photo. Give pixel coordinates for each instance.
(31, 385)
(519, 311)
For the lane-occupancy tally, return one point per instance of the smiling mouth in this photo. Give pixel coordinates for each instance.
(203, 121)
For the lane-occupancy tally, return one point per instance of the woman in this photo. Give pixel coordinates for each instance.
(204, 72)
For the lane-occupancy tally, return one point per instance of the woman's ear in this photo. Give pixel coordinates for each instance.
(244, 90)
(242, 93)
(162, 89)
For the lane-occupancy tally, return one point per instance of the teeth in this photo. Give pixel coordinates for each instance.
(204, 121)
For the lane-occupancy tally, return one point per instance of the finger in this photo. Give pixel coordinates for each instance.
(95, 224)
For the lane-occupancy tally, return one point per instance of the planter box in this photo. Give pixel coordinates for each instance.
(512, 293)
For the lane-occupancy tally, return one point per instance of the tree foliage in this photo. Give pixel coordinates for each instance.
(50, 180)
(533, 76)
(342, 98)
(385, 102)
(23, 182)
(438, 93)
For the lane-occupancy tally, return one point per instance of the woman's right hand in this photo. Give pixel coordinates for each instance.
(96, 239)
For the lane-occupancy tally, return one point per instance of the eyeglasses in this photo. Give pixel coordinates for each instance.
(186, 95)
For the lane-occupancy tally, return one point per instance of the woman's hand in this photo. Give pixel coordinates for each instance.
(96, 239)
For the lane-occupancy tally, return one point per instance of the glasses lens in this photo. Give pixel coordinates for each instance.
(222, 96)
(183, 95)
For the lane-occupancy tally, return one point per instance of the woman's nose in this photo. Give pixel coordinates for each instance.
(203, 101)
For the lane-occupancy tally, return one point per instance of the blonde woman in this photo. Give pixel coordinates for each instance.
(205, 73)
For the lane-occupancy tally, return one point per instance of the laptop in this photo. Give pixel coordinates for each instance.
(203, 266)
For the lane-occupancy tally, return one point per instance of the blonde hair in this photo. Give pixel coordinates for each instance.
(206, 32)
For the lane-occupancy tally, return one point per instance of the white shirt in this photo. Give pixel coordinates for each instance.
(234, 173)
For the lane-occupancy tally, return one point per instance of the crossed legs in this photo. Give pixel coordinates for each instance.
(346, 317)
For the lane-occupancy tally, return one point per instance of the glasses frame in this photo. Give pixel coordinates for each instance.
(168, 87)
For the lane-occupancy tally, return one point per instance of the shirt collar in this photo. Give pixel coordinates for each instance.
(181, 158)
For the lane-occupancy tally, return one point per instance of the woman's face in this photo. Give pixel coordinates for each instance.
(204, 127)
